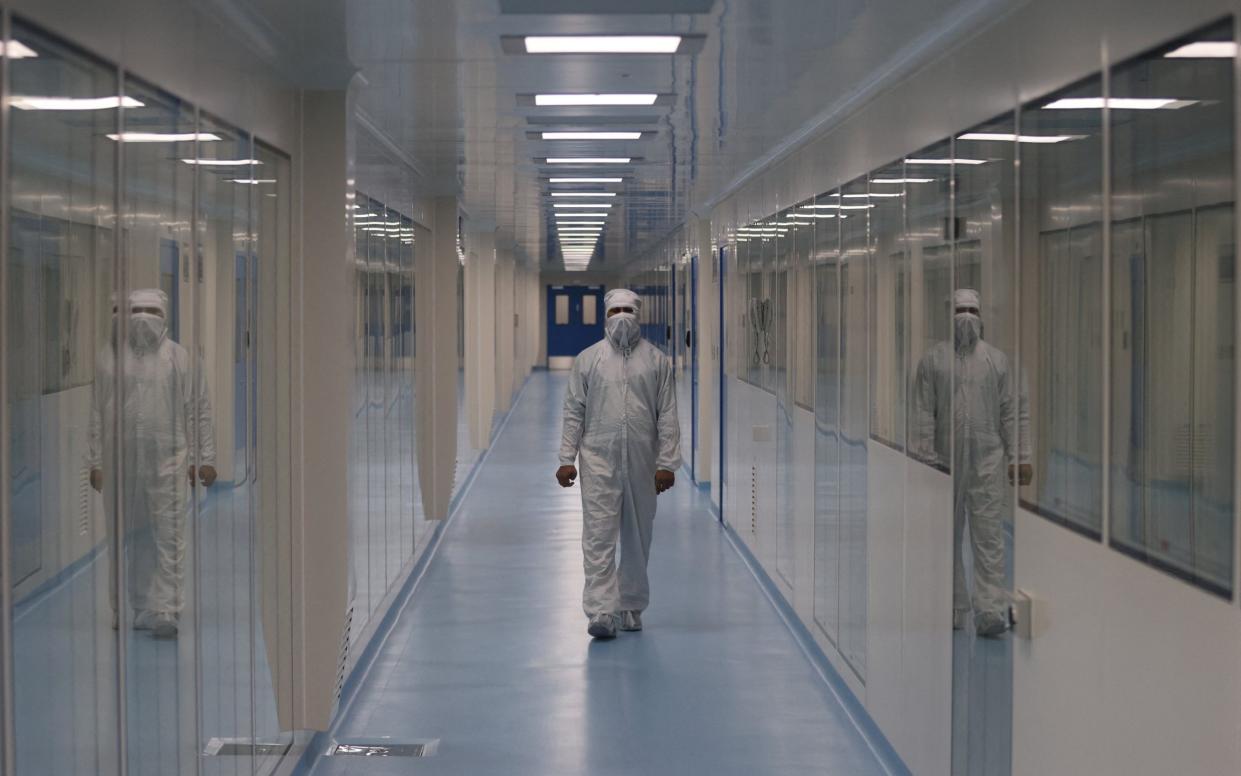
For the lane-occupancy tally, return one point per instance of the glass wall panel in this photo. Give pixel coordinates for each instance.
(991, 443)
(1061, 287)
(855, 254)
(889, 303)
(60, 364)
(1173, 303)
(801, 309)
(166, 429)
(827, 453)
(783, 271)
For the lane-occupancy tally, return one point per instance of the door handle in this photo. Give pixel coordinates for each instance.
(689, 338)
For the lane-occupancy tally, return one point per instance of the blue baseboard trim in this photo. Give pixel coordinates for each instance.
(878, 743)
(322, 739)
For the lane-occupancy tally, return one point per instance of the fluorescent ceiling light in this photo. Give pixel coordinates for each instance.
(27, 102)
(585, 180)
(583, 223)
(1120, 103)
(1018, 138)
(902, 180)
(253, 181)
(583, 193)
(1205, 49)
(589, 160)
(164, 137)
(225, 163)
(602, 44)
(813, 215)
(945, 161)
(872, 195)
(592, 135)
(15, 49)
(589, 205)
(595, 99)
(580, 215)
(835, 206)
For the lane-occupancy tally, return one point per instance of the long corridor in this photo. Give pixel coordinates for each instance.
(490, 655)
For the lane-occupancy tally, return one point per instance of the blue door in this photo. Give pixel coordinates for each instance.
(574, 319)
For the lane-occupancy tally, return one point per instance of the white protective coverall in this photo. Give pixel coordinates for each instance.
(166, 411)
(620, 424)
(986, 415)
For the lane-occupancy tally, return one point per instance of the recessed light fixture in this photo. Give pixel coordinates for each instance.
(602, 44)
(255, 181)
(592, 135)
(902, 180)
(836, 206)
(1011, 138)
(579, 205)
(812, 215)
(589, 160)
(1117, 103)
(945, 161)
(164, 137)
(28, 102)
(15, 49)
(585, 180)
(224, 163)
(581, 215)
(872, 195)
(583, 193)
(1205, 49)
(552, 100)
(583, 223)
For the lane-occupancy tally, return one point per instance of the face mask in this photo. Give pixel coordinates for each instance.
(145, 330)
(968, 330)
(622, 330)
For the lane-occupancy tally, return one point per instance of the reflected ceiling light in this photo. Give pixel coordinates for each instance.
(581, 215)
(585, 180)
(1011, 138)
(27, 102)
(602, 44)
(164, 137)
(813, 215)
(583, 223)
(945, 161)
(1205, 49)
(590, 205)
(15, 49)
(583, 193)
(589, 160)
(592, 135)
(836, 206)
(1119, 103)
(902, 180)
(225, 163)
(595, 99)
(253, 181)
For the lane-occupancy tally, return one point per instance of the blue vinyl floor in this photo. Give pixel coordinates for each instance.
(490, 656)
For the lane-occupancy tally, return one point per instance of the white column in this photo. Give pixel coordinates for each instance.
(480, 384)
(504, 329)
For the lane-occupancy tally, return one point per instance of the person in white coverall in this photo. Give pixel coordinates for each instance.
(165, 414)
(620, 424)
(990, 425)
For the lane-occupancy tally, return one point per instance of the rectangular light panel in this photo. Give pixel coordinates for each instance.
(1118, 103)
(583, 193)
(592, 135)
(588, 205)
(589, 160)
(27, 102)
(1205, 49)
(164, 137)
(585, 180)
(1003, 136)
(552, 100)
(602, 44)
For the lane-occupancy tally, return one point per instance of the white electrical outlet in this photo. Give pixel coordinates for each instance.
(1031, 613)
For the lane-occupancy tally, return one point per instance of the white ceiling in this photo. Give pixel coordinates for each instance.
(438, 85)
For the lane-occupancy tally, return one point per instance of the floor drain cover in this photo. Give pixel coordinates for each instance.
(239, 747)
(382, 747)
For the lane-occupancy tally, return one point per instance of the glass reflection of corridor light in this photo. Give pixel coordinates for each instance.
(590, 205)
(1118, 103)
(583, 193)
(575, 214)
(945, 161)
(592, 135)
(589, 160)
(602, 44)
(902, 180)
(15, 49)
(584, 223)
(231, 163)
(585, 180)
(836, 206)
(595, 99)
(872, 195)
(1205, 49)
(164, 137)
(30, 102)
(252, 181)
(1008, 137)
(812, 215)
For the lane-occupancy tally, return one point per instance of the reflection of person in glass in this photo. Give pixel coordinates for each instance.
(166, 410)
(987, 458)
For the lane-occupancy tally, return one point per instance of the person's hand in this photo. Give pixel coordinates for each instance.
(207, 474)
(565, 475)
(96, 480)
(1023, 474)
(664, 479)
